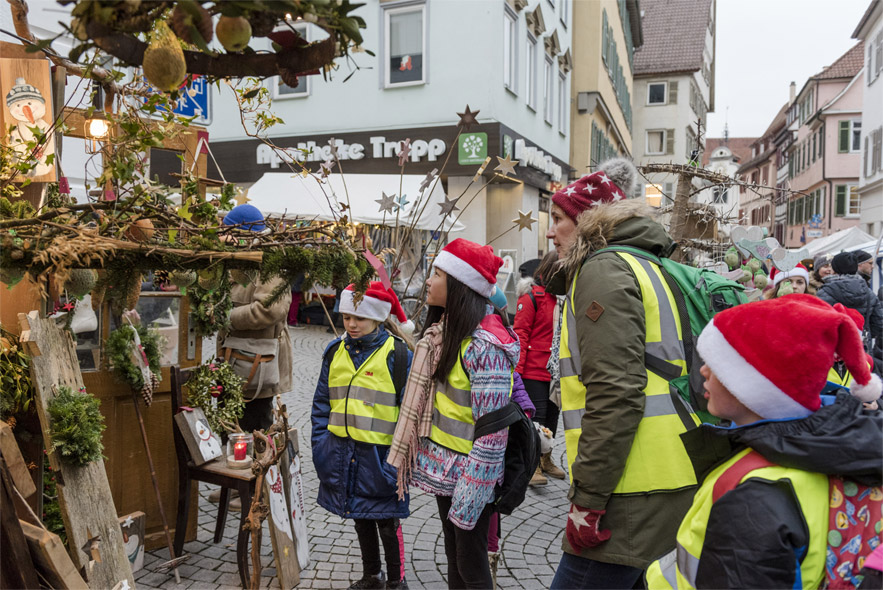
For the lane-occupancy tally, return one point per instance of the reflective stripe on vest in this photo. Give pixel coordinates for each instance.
(363, 402)
(657, 459)
(678, 569)
(835, 378)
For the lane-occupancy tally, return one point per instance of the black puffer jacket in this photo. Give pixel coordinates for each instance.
(853, 292)
(760, 521)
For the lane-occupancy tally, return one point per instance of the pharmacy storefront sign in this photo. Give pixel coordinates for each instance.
(375, 148)
(471, 148)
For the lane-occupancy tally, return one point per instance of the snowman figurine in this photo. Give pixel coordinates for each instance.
(278, 506)
(208, 444)
(28, 107)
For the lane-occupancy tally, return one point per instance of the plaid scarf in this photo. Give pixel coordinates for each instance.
(415, 413)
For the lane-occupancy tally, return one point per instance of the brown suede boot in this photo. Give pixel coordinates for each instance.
(549, 468)
(538, 478)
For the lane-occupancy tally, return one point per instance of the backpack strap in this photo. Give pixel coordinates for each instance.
(497, 420)
(730, 478)
(533, 299)
(332, 351)
(399, 365)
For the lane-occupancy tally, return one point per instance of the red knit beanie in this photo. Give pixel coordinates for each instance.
(781, 375)
(614, 181)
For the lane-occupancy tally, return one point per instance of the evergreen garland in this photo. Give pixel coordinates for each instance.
(118, 348)
(75, 426)
(210, 308)
(217, 382)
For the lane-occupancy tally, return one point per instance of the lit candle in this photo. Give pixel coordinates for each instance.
(239, 449)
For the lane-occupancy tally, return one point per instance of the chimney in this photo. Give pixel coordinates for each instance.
(792, 92)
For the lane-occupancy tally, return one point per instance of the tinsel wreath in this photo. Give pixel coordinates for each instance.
(75, 426)
(217, 390)
(119, 351)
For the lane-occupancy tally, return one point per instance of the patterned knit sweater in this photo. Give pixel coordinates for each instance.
(470, 479)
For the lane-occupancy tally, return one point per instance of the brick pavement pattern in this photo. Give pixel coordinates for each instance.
(530, 544)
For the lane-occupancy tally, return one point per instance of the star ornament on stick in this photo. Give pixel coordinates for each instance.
(387, 203)
(405, 153)
(468, 118)
(506, 165)
(449, 206)
(427, 180)
(525, 220)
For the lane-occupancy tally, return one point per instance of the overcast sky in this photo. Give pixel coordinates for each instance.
(762, 45)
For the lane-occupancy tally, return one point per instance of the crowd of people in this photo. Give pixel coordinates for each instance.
(657, 498)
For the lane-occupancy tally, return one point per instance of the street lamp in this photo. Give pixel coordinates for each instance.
(96, 129)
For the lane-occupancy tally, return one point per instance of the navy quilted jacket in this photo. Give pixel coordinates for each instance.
(355, 481)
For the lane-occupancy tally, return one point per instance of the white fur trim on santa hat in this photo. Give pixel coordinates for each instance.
(463, 272)
(870, 392)
(368, 308)
(794, 272)
(407, 327)
(747, 384)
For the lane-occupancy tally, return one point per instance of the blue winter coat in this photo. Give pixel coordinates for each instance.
(355, 481)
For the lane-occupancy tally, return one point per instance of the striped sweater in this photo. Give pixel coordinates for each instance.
(470, 479)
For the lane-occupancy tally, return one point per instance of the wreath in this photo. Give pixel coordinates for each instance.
(120, 345)
(217, 390)
(75, 426)
(210, 302)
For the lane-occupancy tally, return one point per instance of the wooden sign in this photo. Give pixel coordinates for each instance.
(284, 549)
(132, 526)
(87, 508)
(203, 444)
(295, 497)
(26, 112)
(51, 558)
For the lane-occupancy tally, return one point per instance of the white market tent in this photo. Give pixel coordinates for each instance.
(292, 195)
(846, 239)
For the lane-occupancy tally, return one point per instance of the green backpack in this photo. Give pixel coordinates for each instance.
(699, 293)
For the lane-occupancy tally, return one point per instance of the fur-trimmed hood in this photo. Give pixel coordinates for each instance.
(629, 222)
(524, 286)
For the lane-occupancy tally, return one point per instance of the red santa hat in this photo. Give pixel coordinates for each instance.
(377, 304)
(473, 265)
(777, 276)
(781, 375)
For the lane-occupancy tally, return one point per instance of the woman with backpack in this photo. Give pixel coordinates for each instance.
(462, 370)
(534, 326)
(355, 410)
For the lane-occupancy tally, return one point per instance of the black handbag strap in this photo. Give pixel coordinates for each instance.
(497, 420)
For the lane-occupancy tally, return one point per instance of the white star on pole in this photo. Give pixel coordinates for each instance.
(578, 517)
(524, 221)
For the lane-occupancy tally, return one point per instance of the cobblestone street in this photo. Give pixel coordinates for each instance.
(531, 538)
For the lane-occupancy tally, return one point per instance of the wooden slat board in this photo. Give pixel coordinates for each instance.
(86, 503)
(50, 558)
(21, 477)
(291, 475)
(281, 534)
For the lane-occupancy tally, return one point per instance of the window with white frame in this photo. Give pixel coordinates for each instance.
(530, 72)
(850, 136)
(283, 90)
(656, 142)
(510, 49)
(657, 93)
(548, 84)
(405, 45)
(847, 201)
(563, 102)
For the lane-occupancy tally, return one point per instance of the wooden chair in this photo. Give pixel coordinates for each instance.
(214, 472)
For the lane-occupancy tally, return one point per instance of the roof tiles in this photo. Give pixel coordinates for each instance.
(847, 66)
(674, 36)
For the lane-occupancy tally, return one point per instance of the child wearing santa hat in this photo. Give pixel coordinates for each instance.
(355, 410)
(788, 282)
(760, 518)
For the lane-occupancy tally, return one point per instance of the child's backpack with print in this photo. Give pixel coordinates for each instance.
(855, 523)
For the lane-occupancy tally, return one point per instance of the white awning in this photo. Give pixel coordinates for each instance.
(846, 239)
(292, 195)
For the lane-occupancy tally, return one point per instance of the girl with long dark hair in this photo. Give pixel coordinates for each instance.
(463, 369)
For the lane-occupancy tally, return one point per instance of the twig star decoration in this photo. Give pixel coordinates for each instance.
(449, 206)
(506, 165)
(403, 201)
(405, 153)
(387, 203)
(326, 167)
(525, 220)
(427, 180)
(467, 118)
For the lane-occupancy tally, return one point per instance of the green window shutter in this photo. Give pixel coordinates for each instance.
(840, 202)
(843, 141)
(669, 141)
(604, 38)
(673, 92)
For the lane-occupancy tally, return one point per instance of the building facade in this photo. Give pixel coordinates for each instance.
(870, 184)
(824, 158)
(724, 155)
(602, 87)
(674, 87)
(757, 201)
(509, 59)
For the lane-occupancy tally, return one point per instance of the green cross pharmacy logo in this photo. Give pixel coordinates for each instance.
(472, 148)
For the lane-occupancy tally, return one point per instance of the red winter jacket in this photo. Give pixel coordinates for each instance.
(533, 324)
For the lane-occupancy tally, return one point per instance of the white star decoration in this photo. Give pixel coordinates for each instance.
(569, 191)
(589, 189)
(387, 203)
(524, 221)
(128, 522)
(617, 197)
(578, 517)
(604, 179)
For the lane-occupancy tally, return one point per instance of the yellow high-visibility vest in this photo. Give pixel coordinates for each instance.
(363, 401)
(835, 378)
(678, 569)
(657, 459)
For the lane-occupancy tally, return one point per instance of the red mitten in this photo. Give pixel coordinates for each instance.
(582, 528)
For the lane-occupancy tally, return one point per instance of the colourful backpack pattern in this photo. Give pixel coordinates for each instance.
(855, 524)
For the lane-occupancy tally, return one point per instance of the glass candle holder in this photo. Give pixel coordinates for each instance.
(240, 450)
